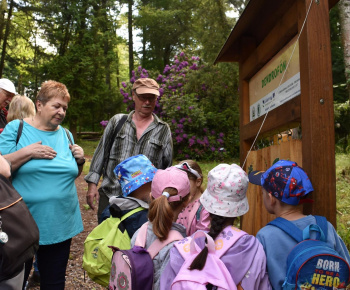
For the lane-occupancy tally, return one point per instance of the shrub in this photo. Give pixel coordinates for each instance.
(199, 102)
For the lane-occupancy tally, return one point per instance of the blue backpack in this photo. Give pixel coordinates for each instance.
(312, 264)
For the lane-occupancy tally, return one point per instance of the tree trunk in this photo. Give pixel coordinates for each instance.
(3, 8)
(143, 48)
(106, 48)
(4, 44)
(131, 45)
(344, 10)
(117, 69)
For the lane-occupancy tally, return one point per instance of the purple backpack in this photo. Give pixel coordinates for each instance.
(133, 269)
(214, 271)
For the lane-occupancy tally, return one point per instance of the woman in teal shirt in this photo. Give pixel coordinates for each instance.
(45, 167)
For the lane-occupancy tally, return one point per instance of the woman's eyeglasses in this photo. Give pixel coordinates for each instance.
(186, 167)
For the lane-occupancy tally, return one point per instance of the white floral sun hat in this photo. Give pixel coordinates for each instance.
(226, 191)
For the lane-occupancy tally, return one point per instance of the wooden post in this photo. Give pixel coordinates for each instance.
(317, 119)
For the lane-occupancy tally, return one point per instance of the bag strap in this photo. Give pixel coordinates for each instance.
(299, 235)
(321, 229)
(157, 245)
(141, 236)
(288, 227)
(192, 215)
(19, 131)
(323, 224)
(130, 213)
(68, 135)
(110, 141)
(230, 232)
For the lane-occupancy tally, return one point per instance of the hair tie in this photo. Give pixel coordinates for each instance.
(167, 194)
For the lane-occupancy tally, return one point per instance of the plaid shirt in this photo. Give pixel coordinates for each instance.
(156, 143)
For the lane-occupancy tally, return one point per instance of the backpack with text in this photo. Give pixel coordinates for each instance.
(312, 263)
(214, 272)
(97, 254)
(133, 269)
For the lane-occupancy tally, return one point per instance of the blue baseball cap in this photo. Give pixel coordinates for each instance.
(285, 180)
(134, 172)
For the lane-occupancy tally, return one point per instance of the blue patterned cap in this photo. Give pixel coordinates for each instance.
(285, 180)
(134, 172)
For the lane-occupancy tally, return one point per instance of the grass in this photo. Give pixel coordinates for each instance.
(89, 149)
(342, 184)
(89, 146)
(343, 196)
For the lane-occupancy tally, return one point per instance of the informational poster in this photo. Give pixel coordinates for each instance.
(276, 83)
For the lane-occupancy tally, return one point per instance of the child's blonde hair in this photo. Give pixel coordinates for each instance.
(20, 107)
(194, 165)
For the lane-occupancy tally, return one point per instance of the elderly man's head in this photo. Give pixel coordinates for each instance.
(7, 92)
(145, 92)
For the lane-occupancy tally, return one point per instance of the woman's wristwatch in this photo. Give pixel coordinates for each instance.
(81, 163)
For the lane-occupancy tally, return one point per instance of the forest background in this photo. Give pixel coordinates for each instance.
(80, 43)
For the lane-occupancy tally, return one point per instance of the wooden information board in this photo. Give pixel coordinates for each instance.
(264, 35)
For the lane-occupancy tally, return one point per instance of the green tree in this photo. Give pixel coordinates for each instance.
(166, 29)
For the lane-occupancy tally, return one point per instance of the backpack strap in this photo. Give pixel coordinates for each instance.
(157, 245)
(323, 224)
(192, 215)
(198, 213)
(321, 229)
(292, 230)
(110, 141)
(227, 238)
(68, 135)
(288, 227)
(19, 131)
(130, 213)
(141, 236)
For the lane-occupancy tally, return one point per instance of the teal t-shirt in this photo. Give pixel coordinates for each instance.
(47, 186)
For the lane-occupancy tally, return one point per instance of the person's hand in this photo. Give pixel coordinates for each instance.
(77, 152)
(38, 151)
(5, 169)
(92, 194)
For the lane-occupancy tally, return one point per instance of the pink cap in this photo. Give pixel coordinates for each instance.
(171, 177)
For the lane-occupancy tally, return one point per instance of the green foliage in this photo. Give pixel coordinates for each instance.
(89, 146)
(166, 27)
(212, 30)
(343, 196)
(342, 129)
(338, 67)
(199, 102)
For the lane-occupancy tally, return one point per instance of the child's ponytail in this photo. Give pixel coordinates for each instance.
(161, 213)
(218, 223)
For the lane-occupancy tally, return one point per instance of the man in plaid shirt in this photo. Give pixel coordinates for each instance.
(142, 133)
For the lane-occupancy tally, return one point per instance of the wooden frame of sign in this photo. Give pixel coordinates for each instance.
(265, 30)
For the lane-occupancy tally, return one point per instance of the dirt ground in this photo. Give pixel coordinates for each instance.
(76, 278)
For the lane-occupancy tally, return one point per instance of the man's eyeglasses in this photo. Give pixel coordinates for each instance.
(144, 99)
(186, 167)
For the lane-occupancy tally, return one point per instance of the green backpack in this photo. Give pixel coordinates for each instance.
(97, 255)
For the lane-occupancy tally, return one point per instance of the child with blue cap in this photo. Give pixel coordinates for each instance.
(135, 175)
(285, 187)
